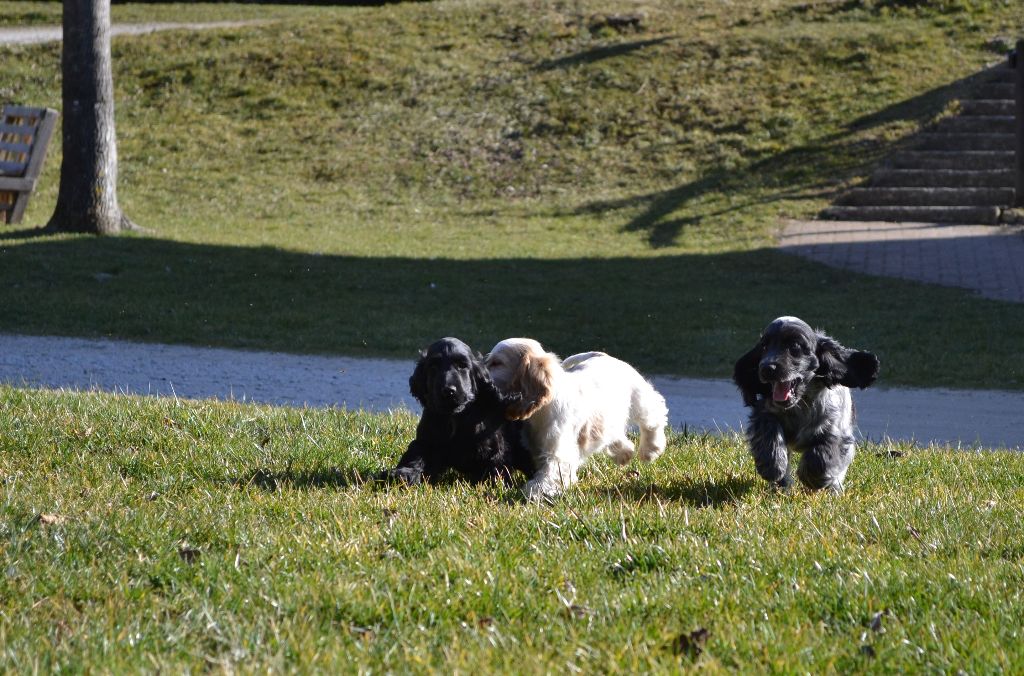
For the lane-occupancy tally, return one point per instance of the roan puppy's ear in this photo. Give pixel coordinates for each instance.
(531, 385)
(840, 365)
(744, 374)
(418, 380)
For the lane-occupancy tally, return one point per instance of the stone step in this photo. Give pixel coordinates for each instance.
(970, 215)
(926, 197)
(938, 159)
(977, 124)
(1003, 74)
(935, 141)
(943, 178)
(994, 90)
(987, 107)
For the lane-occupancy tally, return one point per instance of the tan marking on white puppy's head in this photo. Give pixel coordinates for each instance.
(520, 366)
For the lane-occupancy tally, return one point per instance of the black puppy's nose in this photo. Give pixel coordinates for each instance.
(768, 370)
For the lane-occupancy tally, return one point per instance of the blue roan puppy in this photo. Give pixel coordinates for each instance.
(796, 382)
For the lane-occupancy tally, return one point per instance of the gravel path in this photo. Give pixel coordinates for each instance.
(969, 417)
(28, 35)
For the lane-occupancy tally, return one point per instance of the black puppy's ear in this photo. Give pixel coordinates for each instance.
(418, 380)
(744, 374)
(839, 365)
(482, 377)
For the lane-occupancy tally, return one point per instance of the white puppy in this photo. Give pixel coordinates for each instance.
(575, 408)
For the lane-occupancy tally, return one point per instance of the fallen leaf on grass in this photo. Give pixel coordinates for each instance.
(363, 633)
(189, 554)
(876, 621)
(577, 612)
(52, 519)
(691, 644)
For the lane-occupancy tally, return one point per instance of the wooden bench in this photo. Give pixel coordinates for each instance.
(24, 135)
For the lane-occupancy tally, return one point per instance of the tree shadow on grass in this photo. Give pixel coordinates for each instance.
(26, 233)
(684, 314)
(819, 169)
(600, 53)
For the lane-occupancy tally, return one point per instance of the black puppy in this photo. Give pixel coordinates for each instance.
(463, 426)
(796, 382)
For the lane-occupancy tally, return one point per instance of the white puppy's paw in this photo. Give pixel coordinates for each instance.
(652, 444)
(538, 490)
(621, 451)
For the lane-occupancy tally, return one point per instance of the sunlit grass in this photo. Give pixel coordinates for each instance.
(162, 534)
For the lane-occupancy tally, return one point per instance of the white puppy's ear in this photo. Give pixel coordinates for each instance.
(533, 383)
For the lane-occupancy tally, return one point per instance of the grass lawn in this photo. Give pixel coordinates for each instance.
(140, 534)
(365, 180)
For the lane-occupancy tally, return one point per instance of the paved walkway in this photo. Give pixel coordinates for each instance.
(28, 35)
(986, 258)
(971, 418)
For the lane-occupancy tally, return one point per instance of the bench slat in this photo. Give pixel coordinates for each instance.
(19, 129)
(47, 124)
(26, 132)
(23, 111)
(8, 147)
(12, 168)
(16, 184)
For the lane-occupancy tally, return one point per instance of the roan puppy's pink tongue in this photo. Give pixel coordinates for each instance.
(782, 391)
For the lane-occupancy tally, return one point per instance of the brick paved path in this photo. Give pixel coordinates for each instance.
(988, 259)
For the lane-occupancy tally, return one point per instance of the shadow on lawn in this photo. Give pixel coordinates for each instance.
(600, 53)
(815, 170)
(696, 492)
(688, 314)
(300, 479)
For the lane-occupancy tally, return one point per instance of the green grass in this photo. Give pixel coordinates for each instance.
(141, 534)
(364, 180)
(16, 13)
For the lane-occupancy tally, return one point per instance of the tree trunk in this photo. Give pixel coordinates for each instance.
(87, 199)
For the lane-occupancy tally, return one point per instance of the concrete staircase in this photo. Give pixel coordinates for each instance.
(959, 171)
